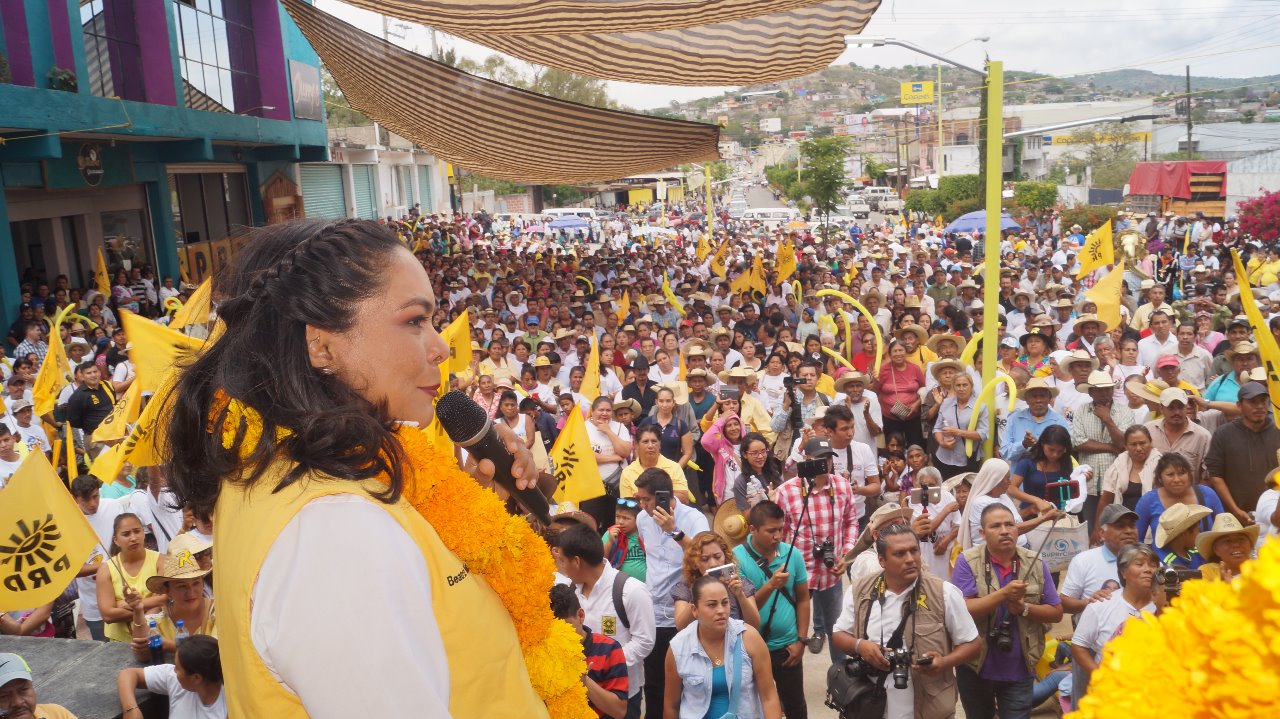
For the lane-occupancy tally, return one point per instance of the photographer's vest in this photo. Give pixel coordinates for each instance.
(487, 674)
(1030, 632)
(934, 696)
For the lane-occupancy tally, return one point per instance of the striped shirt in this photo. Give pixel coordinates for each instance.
(606, 664)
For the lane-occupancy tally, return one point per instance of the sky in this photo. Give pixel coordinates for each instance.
(1218, 38)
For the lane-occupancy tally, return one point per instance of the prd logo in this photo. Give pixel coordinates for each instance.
(31, 554)
(917, 87)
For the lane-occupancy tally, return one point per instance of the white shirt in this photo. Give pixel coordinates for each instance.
(1088, 572)
(884, 619)
(939, 565)
(1068, 399)
(103, 523)
(1150, 348)
(975, 507)
(123, 371)
(1262, 515)
(162, 515)
(864, 464)
(295, 635)
(34, 436)
(1101, 621)
(163, 679)
(861, 433)
(7, 469)
(601, 616)
(664, 557)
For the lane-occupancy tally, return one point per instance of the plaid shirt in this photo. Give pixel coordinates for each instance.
(832, 515)
(39, 349)
(1085, 426)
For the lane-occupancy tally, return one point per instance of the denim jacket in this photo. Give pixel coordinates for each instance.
(694, 667)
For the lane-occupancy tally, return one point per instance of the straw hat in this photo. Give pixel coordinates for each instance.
(951, 484)
(730, 524)
(1149, 391)
(1098, 379)
(921, 336)
(885, 513)
(1224, 525)
(738, 372)
(1241, 348)
(568, 513)
(1076, 357)
(179, 562)
(630, 404)
(678, 388)
(936, 368)
(1090, 319)
(562, 334)
(849, 378)
(1177, 519)
(938, 339)
(1037, 383)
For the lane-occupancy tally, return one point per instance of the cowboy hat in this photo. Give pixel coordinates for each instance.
(938, 339)
(1149, 390)
(1224, 525)
(1037, 383)
(730, 524)
(1090, 319)
(568, 513)
(697, 372)
(849, 378)
(738, 372)
(884, 514)
(1098, 379)
(562, 334)
(936, 368)
(679, 389)
(179, 562)
(1078, 356)
(917, 330)
(951, 484)
(1241, 348)
(630, 404)
(1177, 519)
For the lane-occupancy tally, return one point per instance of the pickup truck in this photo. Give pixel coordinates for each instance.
(857, 207)
(883, 199)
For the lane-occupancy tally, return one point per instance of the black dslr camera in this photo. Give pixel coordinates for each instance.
(789, 382)
(1000, 637)
(1173, 577)
(899, 665)
(825, 552)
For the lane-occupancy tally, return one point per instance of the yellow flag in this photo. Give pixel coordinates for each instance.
(591, 373)
(758, 276)
(157, 351)
(1097, 251)
(196, 309)
(55, 371)
(100, 276)
(741, 283)
(717, 262)
(624, 307)
(683, 370)
(1268, 351)
(1106, 295)
(704, 247)
(576, 472)
(124, 413)
(44, 538)
(786, 260)
(107, 466)
(671, 296)
(851, 275)
(458, 336)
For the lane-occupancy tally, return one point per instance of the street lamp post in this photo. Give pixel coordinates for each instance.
(994, 77)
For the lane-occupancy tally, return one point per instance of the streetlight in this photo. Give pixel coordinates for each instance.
(1078, 123)
(994, 75)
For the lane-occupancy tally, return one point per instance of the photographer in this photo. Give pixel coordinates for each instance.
(1011, 596)
(905, 609)
(806, 383)
(824, 531)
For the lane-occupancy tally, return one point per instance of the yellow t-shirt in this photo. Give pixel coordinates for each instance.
(627, 482)
(53, 711)
(120, 631)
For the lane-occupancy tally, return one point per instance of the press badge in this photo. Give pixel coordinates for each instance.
(608, 625)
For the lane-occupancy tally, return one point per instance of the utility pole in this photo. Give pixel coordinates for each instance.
(1189, 153)
(897, 157)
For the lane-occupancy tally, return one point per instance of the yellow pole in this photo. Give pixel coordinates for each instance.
(991, 287)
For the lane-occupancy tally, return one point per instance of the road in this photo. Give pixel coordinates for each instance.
(758, 197)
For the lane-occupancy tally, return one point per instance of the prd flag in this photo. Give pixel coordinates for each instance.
(1097, 251)
(55, 371)
(196, 309)
(717, 261)
(458, 336)
(671, 296)
(100, 276)
(786, 260)
(44, 538)
(576, 472)
(591, 373)
(157, 351)
(124, 413)
(703, 249)
(1106, 295)
(1268, 350)
(624, 307)
(758, 276)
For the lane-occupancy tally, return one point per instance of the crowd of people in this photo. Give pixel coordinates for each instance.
(785, 473)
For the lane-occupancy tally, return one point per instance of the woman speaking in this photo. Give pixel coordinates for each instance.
(338, 522)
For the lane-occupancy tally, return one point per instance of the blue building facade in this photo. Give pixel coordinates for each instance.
(145, 126)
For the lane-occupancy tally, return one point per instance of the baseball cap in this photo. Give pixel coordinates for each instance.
(1173, 394)
(20, 405)
(531, 320)
(1249, 390)
(818, 447)
(1113, 513)
(13, 668)
(1167, 361)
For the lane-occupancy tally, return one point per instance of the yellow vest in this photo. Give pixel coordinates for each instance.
(121, 631)
(487, 674)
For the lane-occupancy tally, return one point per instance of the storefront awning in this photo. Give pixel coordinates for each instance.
(491, 128)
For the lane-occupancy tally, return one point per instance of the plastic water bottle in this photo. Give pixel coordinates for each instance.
(155, 643)
(181, 635)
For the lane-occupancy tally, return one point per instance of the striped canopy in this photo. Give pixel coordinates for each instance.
(491, 128)
(667, 42)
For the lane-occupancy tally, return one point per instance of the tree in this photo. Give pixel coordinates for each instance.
(1109, 151)
(824, 171)
(1036, 196)
(1260, 216)
(873, 169)
(337, 113)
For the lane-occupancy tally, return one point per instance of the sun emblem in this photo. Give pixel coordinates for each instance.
(31, 545)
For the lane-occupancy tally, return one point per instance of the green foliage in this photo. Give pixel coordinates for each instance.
(337, 113)
(1088, 217)
(784, 179)
(875, 170)
(963, 207)
(824, 172)
(926, 201)
(60, 78)
(1036, 196)
(1109, 151)
(957, 188)
(719, 170)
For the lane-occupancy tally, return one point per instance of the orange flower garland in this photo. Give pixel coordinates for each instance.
(514, 561)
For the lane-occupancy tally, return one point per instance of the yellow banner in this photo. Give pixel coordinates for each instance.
(100, 276)
(1106, 295)
(458, 336)
(46, 539)
(1098, 250)
(916, 93)
(1268, 351)
(786, 261)
(704, 247)
(55, 371)
(576, 472)
(157, 351)
(624, 307)
(758, 276)
(591, 373)
(671, 296)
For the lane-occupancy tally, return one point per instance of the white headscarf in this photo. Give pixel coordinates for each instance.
(993, 472)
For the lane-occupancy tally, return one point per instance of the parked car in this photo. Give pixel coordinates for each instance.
(857, 207)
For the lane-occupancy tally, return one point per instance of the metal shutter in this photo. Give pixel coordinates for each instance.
(424, 189)
(406, 181)
(322, 194)
(362, 179)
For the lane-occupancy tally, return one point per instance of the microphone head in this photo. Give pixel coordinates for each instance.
(461, 418)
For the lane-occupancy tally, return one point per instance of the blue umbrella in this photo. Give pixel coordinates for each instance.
(977, 222)
(568, 222)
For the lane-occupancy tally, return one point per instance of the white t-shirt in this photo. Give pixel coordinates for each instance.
(975, 507)
(884, 618)
(103, 522)
(1262, 515)
(7, 469)
(864, 464)
(1101, 621)
(163, 679)
(939, 565)
(33, 436)
(600, 444)
(1088, 572)
(862, 433)
(162, 514)
(123, 371)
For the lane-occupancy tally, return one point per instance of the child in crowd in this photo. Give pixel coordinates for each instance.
(622, 543)
(1176, 535)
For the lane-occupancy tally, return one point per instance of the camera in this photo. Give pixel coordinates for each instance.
(1000, 637)
(789, 382)
(812, 468)
(825, 552)
(1173, 577)
(899, 665)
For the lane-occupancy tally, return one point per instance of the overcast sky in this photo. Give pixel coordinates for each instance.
(1219, 38)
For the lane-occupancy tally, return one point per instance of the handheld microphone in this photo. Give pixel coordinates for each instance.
(468, 426)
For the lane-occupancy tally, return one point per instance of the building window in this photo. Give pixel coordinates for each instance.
(962, 138)
(217, 57)
(111, 50)
(208, 206)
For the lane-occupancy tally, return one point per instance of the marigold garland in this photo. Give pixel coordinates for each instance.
(1214, 653)
(513, 560)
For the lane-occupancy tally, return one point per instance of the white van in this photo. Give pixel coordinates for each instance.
(771, 217)
(555, 213)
